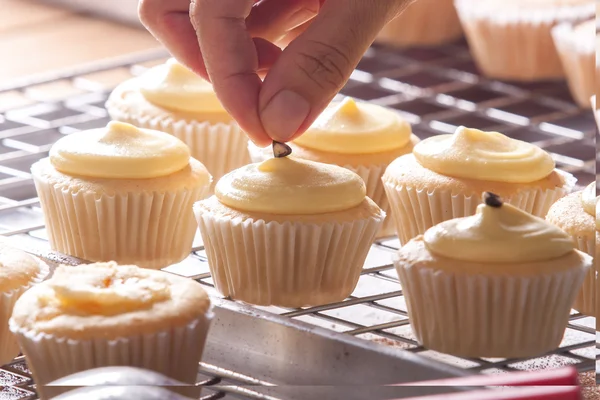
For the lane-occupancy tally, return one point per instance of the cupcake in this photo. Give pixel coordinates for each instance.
(121, 193)
(576, 215)
(478, 286)
(105, 314)
(423, 23)
(288, 232)
(576, 46)
(170, 98)
(18, 272)
(358, 136)
(512, 39)
(445, 175)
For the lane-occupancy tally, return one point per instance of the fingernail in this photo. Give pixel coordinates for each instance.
(298, 18)
(284, 114)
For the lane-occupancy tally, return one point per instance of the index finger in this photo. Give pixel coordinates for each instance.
(231, 59)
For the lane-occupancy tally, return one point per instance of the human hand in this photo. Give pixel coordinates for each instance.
(232, 44)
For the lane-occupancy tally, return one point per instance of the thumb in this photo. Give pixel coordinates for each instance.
(317, 64)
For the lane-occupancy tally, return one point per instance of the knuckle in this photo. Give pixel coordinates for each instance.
(325, 65)
(147, 11)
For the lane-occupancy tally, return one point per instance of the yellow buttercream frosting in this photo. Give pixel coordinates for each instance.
(488, 156)
(350, 127)
(291, 186)
(107, 289)
(175, 87)
(503, 234)
(120, 151)
(589, 199)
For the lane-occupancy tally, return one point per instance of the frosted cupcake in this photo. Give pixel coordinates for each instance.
(359, 136)
(576, 215)
(485, 279)
(288, 232)
(423, 23)
(446, 174)
(99, 315)
(512, 40)
(170, 98)
(576, 47)
(121, 193)
(18, 272)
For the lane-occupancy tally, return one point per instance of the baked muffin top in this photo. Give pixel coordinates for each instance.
(17, 268)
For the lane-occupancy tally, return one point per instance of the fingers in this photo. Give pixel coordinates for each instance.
(169, 23)
(272, 19)
(315, 66)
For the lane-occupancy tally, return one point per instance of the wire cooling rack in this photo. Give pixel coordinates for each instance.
(436, 90)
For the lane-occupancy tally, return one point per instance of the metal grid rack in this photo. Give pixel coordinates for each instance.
(434, 89)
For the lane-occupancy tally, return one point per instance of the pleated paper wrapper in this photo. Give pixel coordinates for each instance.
(515, 43)
(416, 210)
(370, 174)
(585, 301)
(174, 352)
(147, 229)
(220, 147)
(289, 264)
(489, 315)
(9, 348)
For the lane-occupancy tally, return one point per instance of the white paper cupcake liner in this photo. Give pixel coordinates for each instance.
(9, 348)
(578, 59)
(289, 264)
(416, 210)
(585, 301)
(423, 23)
(147, 229)
(174, 352)
(489, 315)
(370, 174)
(220, 147)
(515, 43)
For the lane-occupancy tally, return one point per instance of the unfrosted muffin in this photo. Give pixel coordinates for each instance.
(170, 98)
(361, 137)
(576, 47)
(121, 193)
(512, 40)
(446, 174)
(18, 272)
(486, 280)
(423, 23)
(288, 232)
(576, 215)
(103, 314)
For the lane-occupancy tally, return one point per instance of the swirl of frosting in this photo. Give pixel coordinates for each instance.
(291, 186)
(498, 233)
(350, 127)
(174, 87)
(107, 288)
(492, 156)
(589, 199)
(119, 151)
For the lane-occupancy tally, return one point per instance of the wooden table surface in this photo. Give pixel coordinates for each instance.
(36, 38)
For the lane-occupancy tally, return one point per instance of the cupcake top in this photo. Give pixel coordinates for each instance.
(287, 185)
(498, 233)
(120, 151)
(484, 156)
(101, 300)
(589, 201)
(350, 127)
(17, 269)
(174, 87)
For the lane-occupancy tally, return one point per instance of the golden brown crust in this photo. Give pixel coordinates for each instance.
(406, 171)
(34, 313)
(416, 254)
(17, 269)
(127, 100)
(366, 209)
(568, 214)
(193, 176)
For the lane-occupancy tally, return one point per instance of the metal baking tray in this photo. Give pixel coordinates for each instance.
(436, 90)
